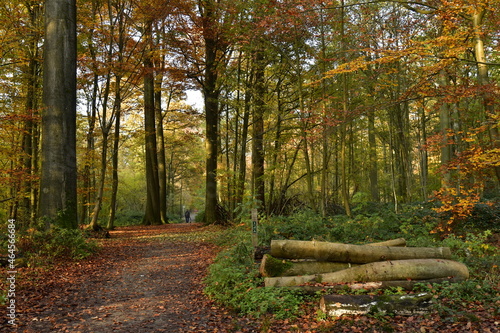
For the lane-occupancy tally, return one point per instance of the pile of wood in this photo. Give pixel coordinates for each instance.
(311, 264)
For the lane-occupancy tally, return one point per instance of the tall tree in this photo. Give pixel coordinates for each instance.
(58, 198)
(211, 93)
(152, 214)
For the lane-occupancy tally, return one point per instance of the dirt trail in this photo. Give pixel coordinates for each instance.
(138, 284)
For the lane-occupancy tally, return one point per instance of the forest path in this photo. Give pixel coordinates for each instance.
(146, 279)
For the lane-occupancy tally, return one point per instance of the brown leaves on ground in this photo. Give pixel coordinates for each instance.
(138, 282)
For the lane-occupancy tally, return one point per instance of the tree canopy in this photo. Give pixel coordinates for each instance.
(315, 104)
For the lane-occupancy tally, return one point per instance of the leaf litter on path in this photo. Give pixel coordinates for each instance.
(144, 279)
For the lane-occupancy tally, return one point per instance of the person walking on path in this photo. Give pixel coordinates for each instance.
(187, 215)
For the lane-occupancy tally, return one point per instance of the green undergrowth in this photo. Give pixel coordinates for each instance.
(234, 281)
(39, 246)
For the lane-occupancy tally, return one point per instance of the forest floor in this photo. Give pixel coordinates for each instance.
(141, 281)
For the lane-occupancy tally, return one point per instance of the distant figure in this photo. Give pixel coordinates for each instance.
(187, 215)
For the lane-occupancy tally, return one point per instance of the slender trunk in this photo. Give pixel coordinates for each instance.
(242, 169)
(116, 145)
(372, 156)
(326, 126)
(152, 213)
(445, 127)
(28, 142)
(286, 182)
(258, 132)
(162, 170)
(89, 153)
(343, 129)
(105, 127)
(424, 164)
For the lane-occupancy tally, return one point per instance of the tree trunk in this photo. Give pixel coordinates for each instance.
(105, 128)
(162, 168)
(483, 80)
(88, 170)
(414, 269)
(359, 254)
(28, 162)
(58, 199)
(271, 266)
(242, 167)
(407, 285)
(258, 131)
(343, 127)
(337, 305)
(116, 145)
(211, 97)
(372, 158)
(390, 242)
(152, 214)
(445, 127)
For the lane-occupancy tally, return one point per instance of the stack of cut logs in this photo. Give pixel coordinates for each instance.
(313, 264)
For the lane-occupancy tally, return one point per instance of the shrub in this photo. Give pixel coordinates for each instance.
(47, 245)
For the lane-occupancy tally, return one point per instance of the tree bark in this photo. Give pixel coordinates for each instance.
(211, 97)
(407, 285)
(415, 269)
(390, 242)
(483, 80)
(58, 198)
(271, 267)
(162, 168)
(152, 214)
(360, 254)
(116, 144)
(258, 131)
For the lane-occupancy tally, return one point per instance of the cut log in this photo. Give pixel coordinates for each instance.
(338, 305)
(359, 254)
(407, 285)
(390, 242)
(414, 269)
(270, 267)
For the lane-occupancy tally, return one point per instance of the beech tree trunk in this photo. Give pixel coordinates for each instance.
(58, 199)
(414, 269)
(359, 254)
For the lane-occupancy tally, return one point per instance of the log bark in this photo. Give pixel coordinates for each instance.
(271, 267)
(338, 305)
(407, 285)
(390, 242)
(415, 269)
(360, 254)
